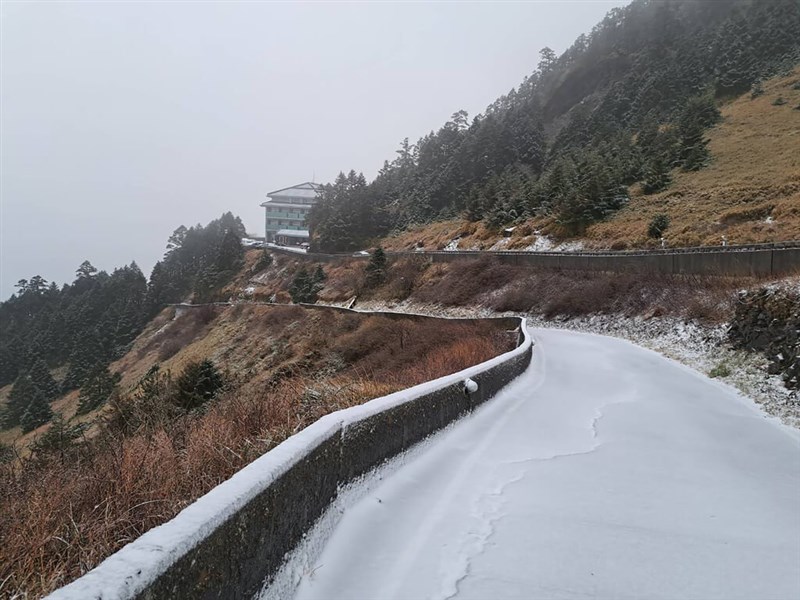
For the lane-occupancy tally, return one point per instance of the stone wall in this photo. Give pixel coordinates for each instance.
(768, 321)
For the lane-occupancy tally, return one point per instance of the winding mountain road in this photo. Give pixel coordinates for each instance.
(605, 471)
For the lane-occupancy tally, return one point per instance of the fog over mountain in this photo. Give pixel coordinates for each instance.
(122, 121)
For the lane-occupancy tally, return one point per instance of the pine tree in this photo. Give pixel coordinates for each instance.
(376, 268)
(699, 113)
(319, 275)
(36, 414)
(197, 384)
(85, 270)
(42, 380)
(86, 356)
(301, 286)
(19, 399)
(230, 256)
(694, 148)
(658, 226)
(656, 176)
(97, 389)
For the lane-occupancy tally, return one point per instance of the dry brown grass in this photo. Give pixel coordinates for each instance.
(559, 294)
(287, 367)
(467, 281)
(486, 283)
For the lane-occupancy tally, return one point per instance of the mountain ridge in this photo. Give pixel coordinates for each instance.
(568, 147)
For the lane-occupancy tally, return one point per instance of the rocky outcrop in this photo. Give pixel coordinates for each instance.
(768, 320)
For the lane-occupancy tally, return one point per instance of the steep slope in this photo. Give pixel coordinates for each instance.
(750, 192)
(623, 105)
(86, 485)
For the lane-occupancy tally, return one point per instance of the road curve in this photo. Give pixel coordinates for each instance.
(604, 471)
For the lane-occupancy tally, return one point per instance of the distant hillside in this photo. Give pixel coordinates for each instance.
(75, 331)
(749, 192)
(623, 112)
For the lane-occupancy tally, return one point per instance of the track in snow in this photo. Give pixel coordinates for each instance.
(605, 471)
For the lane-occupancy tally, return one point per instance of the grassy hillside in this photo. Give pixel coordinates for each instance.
(66, 506)
(750, 192)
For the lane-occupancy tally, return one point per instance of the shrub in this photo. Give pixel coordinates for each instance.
(169, 349)
(205, 314)
(145, 407)
(184, 330)
(779, 101)
(721, 370)
(59, 438)
(263, 263)
(464, 281)
(6, 453)
(658, 226)
(197, 384)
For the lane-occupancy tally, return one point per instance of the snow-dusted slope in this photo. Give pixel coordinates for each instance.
(606, 471)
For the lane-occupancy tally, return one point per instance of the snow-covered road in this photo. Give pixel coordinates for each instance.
(605, 471)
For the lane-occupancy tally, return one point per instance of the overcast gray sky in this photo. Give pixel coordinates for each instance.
(121, 121)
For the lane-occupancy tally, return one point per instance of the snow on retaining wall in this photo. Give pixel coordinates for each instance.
(228, 542)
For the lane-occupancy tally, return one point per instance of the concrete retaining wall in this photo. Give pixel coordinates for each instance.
(761, 260)
(747, 262)
(233, 539)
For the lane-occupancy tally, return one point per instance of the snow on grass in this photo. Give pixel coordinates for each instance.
(500, 244)
(452, 245)
(542, 243)
(571, 246)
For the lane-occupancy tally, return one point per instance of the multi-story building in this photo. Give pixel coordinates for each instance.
(286, 212)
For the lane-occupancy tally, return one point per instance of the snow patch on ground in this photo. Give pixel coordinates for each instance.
(500, 244)
(287, 248)
(573, 246)
(452, 245)
(542, 243)
(789, 285)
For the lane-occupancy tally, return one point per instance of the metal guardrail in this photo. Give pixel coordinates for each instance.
(769, 259)
(635, 252)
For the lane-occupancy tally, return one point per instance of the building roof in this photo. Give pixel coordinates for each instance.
(298, 233)
(308, 189)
